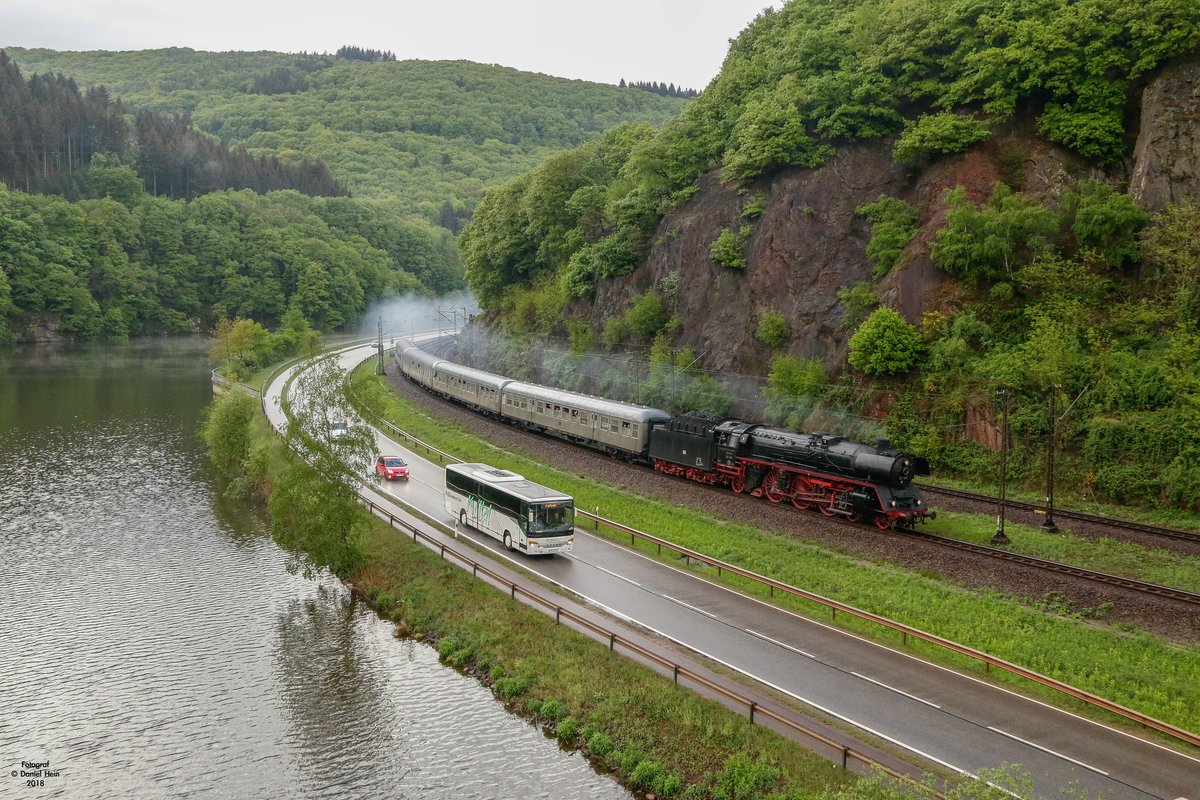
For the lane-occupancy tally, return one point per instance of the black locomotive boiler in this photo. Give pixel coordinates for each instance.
(817, 471)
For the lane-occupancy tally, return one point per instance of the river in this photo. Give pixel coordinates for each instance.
(152, 643)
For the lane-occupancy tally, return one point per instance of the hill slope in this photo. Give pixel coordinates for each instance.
(419, 134)
(989, 172)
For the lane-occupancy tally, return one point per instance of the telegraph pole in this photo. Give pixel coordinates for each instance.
(379, 369)
(1000, 537)
(1048, 523)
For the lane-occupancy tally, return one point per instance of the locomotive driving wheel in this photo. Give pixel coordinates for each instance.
(771, 487)
(738, 484)
(801, 486)
(883, 522)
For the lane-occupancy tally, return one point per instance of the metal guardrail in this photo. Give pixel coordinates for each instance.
(848, 755)
(229, 383)
(988, 660)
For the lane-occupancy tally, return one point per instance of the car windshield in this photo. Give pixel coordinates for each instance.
(393, 462)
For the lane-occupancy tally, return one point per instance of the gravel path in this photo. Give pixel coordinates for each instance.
(1171, 619)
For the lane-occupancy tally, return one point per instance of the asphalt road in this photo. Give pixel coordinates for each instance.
(930, 711)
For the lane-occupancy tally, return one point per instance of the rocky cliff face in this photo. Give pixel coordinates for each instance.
(1166, 159)
(808, 242)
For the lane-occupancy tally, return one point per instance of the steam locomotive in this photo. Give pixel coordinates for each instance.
(817, 471)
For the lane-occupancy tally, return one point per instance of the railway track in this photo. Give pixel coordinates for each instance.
(1166, 592)
(1082, 516)
(1105, 578)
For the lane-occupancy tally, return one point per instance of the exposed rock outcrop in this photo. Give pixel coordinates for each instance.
(1166, 159)
(808, 242)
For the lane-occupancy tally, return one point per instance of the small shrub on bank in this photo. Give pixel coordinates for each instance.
(553, 709)
(513, 686)
(567, 729)
(600, 743)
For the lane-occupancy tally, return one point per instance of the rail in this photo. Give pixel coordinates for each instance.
(1066, 513)
(848, 755)
(905, 630)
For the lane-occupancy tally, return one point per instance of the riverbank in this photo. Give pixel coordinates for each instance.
(656, 737)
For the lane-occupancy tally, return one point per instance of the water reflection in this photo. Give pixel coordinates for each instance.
(152, 643)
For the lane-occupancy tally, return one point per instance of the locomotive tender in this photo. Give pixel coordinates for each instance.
(816, 471)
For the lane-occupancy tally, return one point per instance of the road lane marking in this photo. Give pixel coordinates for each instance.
(897, 691)
(780, 644)
(602, 569)
(708, 614)
(1048, 750)
(927, 664)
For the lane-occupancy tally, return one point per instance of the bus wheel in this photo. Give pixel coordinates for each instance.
(462, 517)
(507, 541)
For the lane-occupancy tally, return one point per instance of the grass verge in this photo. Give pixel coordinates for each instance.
(1130, 667)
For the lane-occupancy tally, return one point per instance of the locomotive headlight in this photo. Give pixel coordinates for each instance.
(918, 501)
(893, 504)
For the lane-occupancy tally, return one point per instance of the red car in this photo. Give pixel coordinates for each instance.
(392, 467)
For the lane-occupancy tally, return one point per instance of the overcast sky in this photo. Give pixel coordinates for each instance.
(670, 41)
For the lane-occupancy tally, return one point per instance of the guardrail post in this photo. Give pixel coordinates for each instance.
(557, 615)
(612, 642)
(676, 674)
(845, 756)
(833, 611)
(904, 638)
(513, 588)
(753, 705)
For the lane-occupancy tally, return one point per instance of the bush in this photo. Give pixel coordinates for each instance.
(600, 743)
(943, 133)
(742, 779)
(886, 344)
(773, 329)
(858, 302)
(553, 709)
(727, 250)
(567, 729)
(614, 333)
(646, 316)
(893, 227)
(993, 240)
(646, 774)
(513, 686)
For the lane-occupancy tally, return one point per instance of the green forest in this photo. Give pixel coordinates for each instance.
(97, 241)
(427, 137)
(106, 269)
(1085, 296)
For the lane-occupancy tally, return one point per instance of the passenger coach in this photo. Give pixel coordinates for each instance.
(617, 428)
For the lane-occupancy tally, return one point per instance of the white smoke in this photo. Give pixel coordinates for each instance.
(404, 316)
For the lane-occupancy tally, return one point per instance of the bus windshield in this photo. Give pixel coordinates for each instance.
(551, 518)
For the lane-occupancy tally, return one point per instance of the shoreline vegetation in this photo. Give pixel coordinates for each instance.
(657, 739)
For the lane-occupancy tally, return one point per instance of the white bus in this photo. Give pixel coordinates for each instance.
(524, 515)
